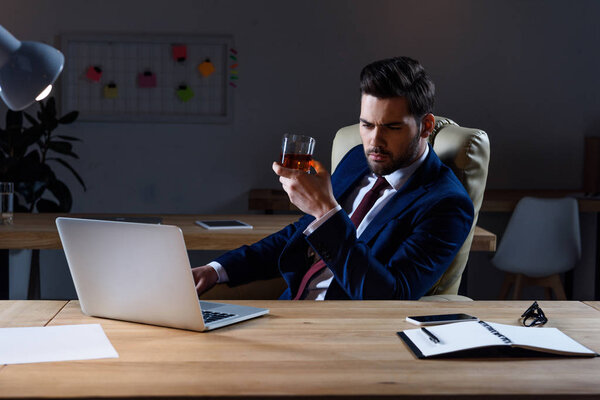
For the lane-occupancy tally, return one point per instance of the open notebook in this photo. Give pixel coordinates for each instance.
(479, 338)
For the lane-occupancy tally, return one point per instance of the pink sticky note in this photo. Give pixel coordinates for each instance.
(147, 80)
(179, 52)
(94, 73)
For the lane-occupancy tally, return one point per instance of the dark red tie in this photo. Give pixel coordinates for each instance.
(359, 214)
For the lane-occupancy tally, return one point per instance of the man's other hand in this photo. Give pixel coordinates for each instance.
(205, 277)
(311, 193)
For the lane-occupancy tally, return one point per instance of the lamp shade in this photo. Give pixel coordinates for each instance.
(26, 70)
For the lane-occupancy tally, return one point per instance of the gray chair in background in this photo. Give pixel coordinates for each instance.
(541, 241)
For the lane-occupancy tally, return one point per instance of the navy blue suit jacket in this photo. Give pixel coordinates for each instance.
(401, 254)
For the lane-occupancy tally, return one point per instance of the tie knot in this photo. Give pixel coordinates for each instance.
(380, 184)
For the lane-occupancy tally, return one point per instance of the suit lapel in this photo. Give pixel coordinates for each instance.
(355, 167)
(397, 204)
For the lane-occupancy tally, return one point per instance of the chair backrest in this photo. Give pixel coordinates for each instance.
(467, 152)
(542, 238)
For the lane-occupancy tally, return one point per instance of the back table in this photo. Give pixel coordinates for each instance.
(38, 231)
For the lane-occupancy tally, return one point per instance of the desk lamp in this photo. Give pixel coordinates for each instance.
(27, 70)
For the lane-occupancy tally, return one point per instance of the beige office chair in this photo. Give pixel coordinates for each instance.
(467, 152)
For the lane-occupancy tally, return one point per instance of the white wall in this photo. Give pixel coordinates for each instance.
(524, 71)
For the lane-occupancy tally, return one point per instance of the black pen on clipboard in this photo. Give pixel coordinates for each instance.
(431, 336)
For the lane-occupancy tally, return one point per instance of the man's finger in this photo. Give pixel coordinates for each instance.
(286, 172)
(282, 171)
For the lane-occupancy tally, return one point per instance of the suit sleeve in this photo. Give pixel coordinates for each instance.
(260, 260)
(407, 263)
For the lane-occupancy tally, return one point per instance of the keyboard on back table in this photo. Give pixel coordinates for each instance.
(212, 316)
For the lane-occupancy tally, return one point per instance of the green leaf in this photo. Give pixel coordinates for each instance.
(62, 193)
(70, 168)
(14, 119)
(61, 147)
(47, 206)
(51, 124)
(17, 206)
(33, 157)
(51, 107)
(47, 114)
(69, 118)
(5, 143)
(30, 191)
(72, 138)
(32, 134)
(31, 120)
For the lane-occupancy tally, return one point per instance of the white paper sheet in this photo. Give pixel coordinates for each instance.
(54, 343)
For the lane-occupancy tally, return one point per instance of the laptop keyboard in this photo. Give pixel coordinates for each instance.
(212, 316)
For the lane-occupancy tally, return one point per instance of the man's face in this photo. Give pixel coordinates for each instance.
(391, 136)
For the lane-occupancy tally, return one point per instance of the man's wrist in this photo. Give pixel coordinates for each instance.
(327, 209)
(320, 221)
(221, 273)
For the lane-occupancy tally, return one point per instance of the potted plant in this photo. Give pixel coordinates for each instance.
(28, 155)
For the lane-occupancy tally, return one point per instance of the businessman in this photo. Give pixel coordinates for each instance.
(388, 222)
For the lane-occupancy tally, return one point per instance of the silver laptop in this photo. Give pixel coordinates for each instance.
(140, 273)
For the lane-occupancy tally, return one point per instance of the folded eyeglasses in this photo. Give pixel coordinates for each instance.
(533, 316)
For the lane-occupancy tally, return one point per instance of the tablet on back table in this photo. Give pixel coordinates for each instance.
(139, 273)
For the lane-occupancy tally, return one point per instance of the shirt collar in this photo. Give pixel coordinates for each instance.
(399, 177)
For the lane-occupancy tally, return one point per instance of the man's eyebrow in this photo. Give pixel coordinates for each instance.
(399, 123)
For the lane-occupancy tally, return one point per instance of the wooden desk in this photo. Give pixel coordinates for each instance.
(595, 304)
(506, 200)
(332, 349)
(38, 231)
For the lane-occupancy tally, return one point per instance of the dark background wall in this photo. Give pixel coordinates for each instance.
(524, 71)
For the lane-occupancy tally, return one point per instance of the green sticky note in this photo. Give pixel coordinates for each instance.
(185, 93)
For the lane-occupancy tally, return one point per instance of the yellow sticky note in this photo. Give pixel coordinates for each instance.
(111, 92)
(206, 68)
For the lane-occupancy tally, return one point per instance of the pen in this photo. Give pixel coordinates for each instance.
(431, 336)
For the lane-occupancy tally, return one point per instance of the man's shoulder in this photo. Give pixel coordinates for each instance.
(353, 154)
(445, 183)
(353, 162)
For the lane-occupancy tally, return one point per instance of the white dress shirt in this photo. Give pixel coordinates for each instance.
(317, 287)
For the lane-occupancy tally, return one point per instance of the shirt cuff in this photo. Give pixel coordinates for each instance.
(318, 222)
(220, 272)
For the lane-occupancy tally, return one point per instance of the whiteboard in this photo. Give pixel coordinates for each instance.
(122, 58)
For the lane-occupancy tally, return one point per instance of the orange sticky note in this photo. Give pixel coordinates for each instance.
(206, 68)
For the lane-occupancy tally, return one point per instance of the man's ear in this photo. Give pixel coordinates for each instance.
(427, 125)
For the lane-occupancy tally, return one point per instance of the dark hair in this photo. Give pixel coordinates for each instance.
(399, 77)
